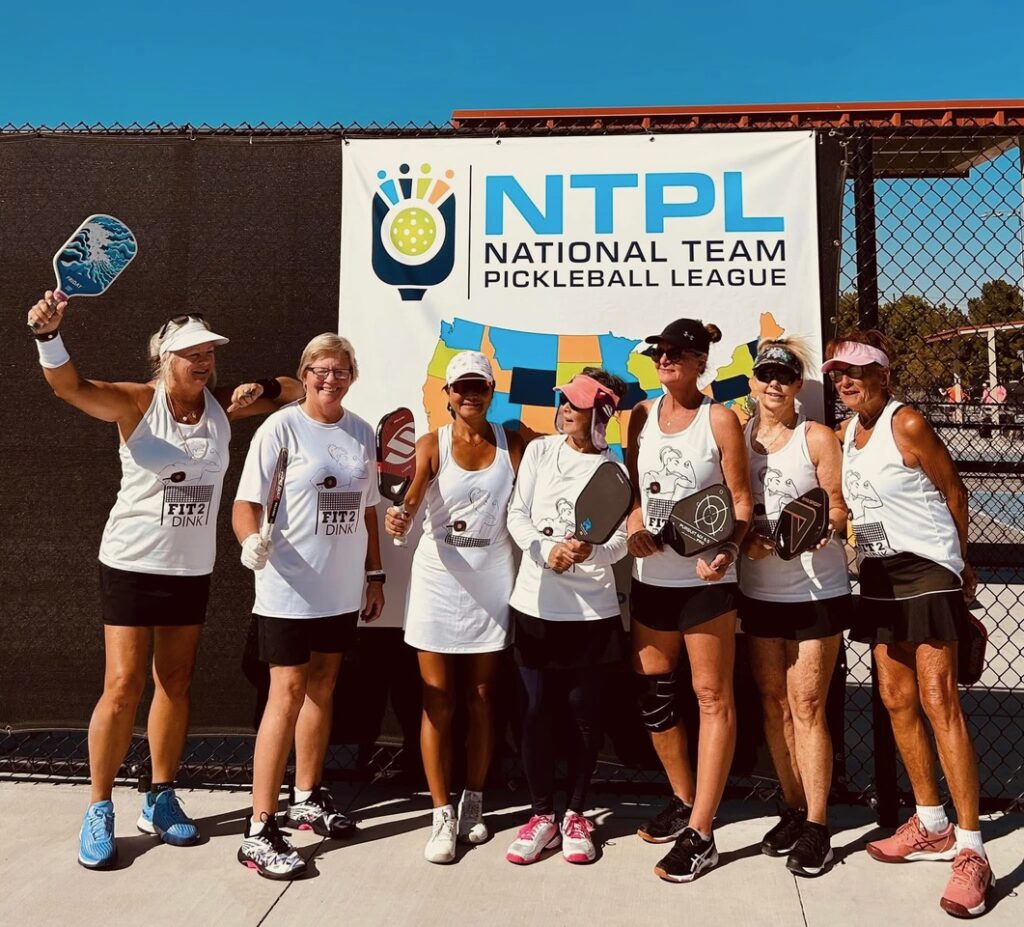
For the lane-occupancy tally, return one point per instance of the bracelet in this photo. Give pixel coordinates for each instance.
(49, 336)
(732, 548)
(52, 352)
(376, 576)
(271, 388)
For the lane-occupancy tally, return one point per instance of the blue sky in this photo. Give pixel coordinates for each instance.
(356, 62)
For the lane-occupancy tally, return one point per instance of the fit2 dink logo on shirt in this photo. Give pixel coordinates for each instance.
(413, 230)
(188, 494)
(337, 502)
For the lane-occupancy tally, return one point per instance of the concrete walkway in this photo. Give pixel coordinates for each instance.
(381, 877)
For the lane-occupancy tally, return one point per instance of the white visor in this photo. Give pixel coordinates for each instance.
(193, 332)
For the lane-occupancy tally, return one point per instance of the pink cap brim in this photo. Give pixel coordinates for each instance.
(857, 355)
(582, 391)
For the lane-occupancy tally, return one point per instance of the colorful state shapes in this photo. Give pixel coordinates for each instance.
(532, 386)
(539, 419)
(769, 327)
(524, 349)
(566, 371)
(634, 394)
(582, 349)
(741, 365)
(504, 412)
(615, 353)
(462, 335)
(438, 365)
(435, 402)
(644, 369)
(502, 377)
(730, 388)
(615, 432)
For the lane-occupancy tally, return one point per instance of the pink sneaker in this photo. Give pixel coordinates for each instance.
(967, 887)
(912, 843)
(538, 834)
(577, 847)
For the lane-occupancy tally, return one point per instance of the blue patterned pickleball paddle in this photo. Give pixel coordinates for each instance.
(91, 259)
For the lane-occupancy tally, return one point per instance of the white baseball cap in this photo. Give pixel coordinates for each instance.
(468, 365)
(188, 335)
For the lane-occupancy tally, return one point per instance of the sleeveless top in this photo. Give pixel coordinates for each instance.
(894, 508)
(776, 480)
(464, 512)
(672, 467)
(165, 517)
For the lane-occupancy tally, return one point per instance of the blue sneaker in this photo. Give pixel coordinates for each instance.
(163, 815)
(96, 847)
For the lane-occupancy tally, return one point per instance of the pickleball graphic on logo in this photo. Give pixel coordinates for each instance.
(413, 229)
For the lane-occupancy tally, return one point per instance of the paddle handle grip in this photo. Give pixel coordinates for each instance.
(404, 540)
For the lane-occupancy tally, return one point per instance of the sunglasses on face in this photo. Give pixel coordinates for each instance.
(181, 320)
(672, 354)
(781, 375)
(470, 387)
(322, 373)
(853, 371)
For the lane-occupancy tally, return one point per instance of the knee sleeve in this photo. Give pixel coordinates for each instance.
(658, 702)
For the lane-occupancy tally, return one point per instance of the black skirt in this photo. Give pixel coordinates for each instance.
(680, 608)
(543, 644)
(146, 600)
(908, 599)
(796, 621)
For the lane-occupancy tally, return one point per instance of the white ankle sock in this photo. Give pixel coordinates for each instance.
(255, 827)
(933, 818)
(302, 795)
(970, 840)
(439, 812)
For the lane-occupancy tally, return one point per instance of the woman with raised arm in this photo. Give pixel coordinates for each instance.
(157, 550)
(565, 611)
(793, 612)
(908, 507)
(462, 574)
(312, 575)
(681, 601)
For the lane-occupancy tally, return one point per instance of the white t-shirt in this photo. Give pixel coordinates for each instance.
(318, 551)
(540, 515)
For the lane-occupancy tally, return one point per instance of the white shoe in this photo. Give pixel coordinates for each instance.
(440, 847)
(577, 845)
(538, 834)
(472, 828)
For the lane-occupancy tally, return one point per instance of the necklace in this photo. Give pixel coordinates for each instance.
(870, 423)
(189, 418)
(769, 446)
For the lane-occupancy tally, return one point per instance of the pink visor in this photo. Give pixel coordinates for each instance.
(856, 355)
(582, 391)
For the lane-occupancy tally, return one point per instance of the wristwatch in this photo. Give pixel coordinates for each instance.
(376, 576)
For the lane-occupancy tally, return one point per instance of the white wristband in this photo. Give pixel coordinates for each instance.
(52, 353)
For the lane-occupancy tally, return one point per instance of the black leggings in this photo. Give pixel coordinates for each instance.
(544, 692)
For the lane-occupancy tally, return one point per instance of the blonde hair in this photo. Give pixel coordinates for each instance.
(328, 343)
(797, 345)
(160, 364)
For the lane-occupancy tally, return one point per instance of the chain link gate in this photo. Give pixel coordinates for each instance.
(928, 248)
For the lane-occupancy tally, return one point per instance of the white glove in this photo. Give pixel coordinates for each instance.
(255, 552)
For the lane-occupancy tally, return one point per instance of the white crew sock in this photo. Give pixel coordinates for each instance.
(255, 827)
(302, 795)
(970, 840)
(440, 812)
(933, 818)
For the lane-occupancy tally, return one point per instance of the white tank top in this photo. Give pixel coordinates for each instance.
(165, 517)
(775, 481)
(894, 508)
(672, 467)
(464, 510)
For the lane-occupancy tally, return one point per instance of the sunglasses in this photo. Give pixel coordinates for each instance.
(853, 371)
(784, 376)
(470, 386)
(181, 320)
(322, 373)
(672, 355)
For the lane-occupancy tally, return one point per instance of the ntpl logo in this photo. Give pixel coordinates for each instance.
(413, 229)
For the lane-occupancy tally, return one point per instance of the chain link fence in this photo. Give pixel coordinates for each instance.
(927, 246)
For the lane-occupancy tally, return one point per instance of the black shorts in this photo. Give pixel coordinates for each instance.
(543, 644)
(148, 600)
(290, 641)
(908, 599)
(680, 608)
(796, 621)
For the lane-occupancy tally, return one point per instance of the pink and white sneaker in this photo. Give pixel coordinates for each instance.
(538, 834)
(577, 846)
(968, 886)
(912, 843)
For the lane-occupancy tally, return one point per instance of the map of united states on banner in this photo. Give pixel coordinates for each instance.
(529, 365)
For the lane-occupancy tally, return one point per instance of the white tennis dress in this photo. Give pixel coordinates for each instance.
(462, 571)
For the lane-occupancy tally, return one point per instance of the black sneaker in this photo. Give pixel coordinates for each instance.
(691, 855)
(668, 823)
(784, 835)
(318, 814)
(269, 852)
(812, 854)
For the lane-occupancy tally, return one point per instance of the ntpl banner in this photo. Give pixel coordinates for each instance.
(552, 254)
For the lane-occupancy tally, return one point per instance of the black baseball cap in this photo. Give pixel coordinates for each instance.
(684, 333)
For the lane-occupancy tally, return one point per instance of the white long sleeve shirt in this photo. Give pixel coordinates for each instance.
(541, 513)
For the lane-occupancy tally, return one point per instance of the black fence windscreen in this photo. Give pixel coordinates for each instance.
(920, 235)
